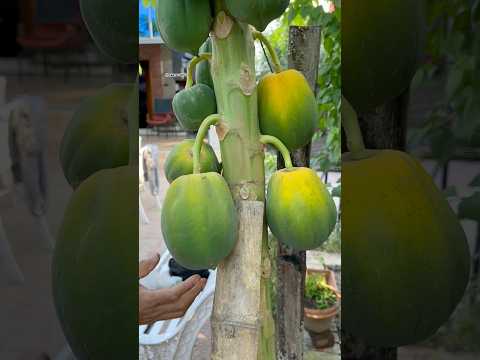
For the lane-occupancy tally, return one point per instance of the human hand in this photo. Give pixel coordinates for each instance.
(169, 303)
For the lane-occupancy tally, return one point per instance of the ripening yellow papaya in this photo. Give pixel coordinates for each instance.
(287, 108)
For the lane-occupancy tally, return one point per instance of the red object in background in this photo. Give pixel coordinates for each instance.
(163, 114)
(48, 37)
(160, 119)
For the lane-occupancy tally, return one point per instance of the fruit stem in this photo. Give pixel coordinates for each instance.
(257, 35)
(191, 66)
(352, 130)
(272, 140)
(218, 6)
(202, 132)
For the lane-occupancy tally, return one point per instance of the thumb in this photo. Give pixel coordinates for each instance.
(146, 266)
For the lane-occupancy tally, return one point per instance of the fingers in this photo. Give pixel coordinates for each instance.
(165, 304)
(183, 287)
(146, 266)
(187, 298)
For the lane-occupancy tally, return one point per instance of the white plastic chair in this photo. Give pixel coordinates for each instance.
(143, 214)
(37, 109)
(174, 339)
(143, 149)
(141, 183)
(10, 273)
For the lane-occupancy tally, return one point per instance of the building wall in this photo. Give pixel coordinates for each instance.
(160, 60)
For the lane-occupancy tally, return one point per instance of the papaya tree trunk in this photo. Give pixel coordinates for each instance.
(384, 128)
(304, 56)
(242, 321)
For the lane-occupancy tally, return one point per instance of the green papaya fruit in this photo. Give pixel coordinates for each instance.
(405, 257)
(202, 72)
(287, 108)
(381, 49)
(113, 27)
(95, 265)
(97, 136)
(300, 211)
(258, 13)
(184, 24)
(180, 160)
(191, 106)
(199, 220)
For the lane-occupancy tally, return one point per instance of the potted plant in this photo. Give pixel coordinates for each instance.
(322, 300)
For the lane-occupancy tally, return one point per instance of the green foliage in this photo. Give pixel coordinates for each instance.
(453, 49)
(334, 242)
(303, 13)
(270, 165)
(317, 290)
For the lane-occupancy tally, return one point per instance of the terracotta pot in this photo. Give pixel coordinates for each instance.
(320, 321)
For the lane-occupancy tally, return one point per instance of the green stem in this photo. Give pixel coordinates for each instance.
(191, 66)
(202, 132)
(352, 130)
(218, 6)
(257, 35)
(272, 140)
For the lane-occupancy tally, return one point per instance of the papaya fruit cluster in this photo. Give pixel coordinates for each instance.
(93, 257)
(200, 236)
(95, 253)
(185, 24)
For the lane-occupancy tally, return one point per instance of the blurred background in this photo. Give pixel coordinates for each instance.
(48, 65)
(443, 130)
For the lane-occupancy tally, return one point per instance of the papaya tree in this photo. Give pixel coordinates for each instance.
(279, 111)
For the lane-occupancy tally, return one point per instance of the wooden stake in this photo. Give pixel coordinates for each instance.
(304, 56)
